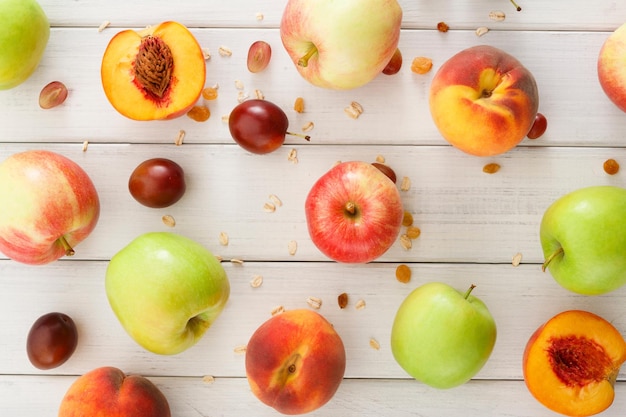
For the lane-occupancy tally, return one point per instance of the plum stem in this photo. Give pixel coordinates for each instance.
(300, 135)
(69, 251)
(304, 61)
(469, 291)
(519, 9)
(554, 254)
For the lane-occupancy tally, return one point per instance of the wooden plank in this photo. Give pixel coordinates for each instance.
(396, 107)
(465, 215)
(535, 15)
(226, 397)
(520, 299)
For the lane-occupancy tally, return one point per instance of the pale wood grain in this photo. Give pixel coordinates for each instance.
(396, 107)
(459, 14)
(472, 223)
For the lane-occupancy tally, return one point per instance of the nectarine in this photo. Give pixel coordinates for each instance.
(108, 392)
(483, 101)
(156, 73)
(571, 362)
(295, 361)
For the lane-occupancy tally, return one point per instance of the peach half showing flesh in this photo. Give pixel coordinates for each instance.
(571, 362)
(153, 74)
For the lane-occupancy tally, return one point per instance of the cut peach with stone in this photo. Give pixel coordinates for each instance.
(153, 74)
(571, 362)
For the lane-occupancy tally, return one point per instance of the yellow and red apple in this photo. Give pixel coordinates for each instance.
(611, 69)
(49, 205)
(483, 101)
(571, 363)
(340, 44)
(107, 391)
(295, 361)
(153, 74)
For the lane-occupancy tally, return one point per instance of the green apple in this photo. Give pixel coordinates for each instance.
(441, 336)
(166, 290)
(24, 33)
(583, 236)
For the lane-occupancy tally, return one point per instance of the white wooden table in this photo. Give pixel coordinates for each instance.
(472, 223)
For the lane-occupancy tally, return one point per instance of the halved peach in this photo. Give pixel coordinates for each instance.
(571, 362)
(153, 74)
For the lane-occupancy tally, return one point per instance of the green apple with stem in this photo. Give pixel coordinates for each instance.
(24, 36)
(166, 290)
(340, 44)
(441, 336)
(583, 237)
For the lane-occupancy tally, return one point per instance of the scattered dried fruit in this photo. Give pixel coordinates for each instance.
(259, 56)
(354, 110)
(292, 156)
(314, 302)
(405, 241)
(307, 127)
(407, 219)
(360, 305)
(342, 300)
(206, 54)
(298, 105)
(236, 261)
(179, 138)
(103, 25)
(52, 95)
(168, 220)
(258, 94)
(405, 185)
(208, 379)
(611, 166)
(374, 344)
(277, 310)
(292, 246)
(403, 273)
(275, 200)
(209, 93)
(517, 259)
(491, 168)
(497, 15)
(239, 84)
(224, 51)
(223, 238)
(413, 232)
(260, 16)
(199, 113)
(442, 27)
(269, 208)
(482, 30)
(240, 350)
(257, 281)
(85, 145)
(421, 65)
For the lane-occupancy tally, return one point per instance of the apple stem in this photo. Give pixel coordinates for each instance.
(300, 135)
(350, 207)
(554, 254)
(519, 9)
(304, 61)
(469, 291)
(69, 251)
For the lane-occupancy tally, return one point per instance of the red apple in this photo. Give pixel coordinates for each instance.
(107, 391)
(49, 205)
(295, 361)
(354, 212)
(483, 101)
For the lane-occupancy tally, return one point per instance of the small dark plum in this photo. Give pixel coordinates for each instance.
(51, 341)
(157, 183)
(259, 126)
